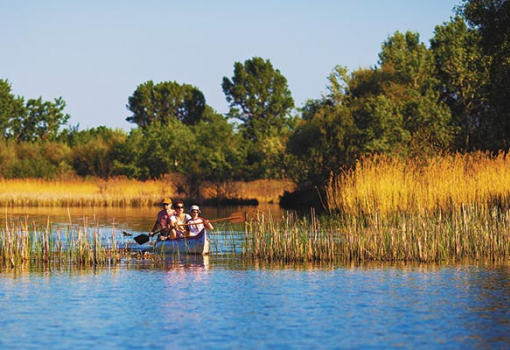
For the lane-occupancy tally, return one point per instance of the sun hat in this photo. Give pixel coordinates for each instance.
(166, 201)
(194, 207)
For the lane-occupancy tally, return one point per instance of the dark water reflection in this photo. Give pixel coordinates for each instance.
(220, 302)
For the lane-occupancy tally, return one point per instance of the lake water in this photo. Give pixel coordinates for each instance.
(224, 302)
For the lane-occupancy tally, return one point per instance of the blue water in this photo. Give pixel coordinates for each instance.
(221, 303)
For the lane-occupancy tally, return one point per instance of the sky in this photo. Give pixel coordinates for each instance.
(95, 53)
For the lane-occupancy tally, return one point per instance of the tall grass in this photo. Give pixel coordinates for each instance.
(23, 244)
(121, 192)
(466, 232)
(385, 185)
(449, 207)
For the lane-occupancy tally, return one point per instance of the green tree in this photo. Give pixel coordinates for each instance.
(322, 142)
(164, 149)
(39, 159)
(10, 107)
(96, 151)
(491, 19)
(258, 96)
(410, 83)
(42, 120)
(463, 72)
(216, 155)
(160, 103)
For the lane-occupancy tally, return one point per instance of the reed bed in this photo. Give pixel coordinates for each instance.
(24, 244)
(289, 239)
(388, 185)
(468, 232)
(121, 192)
(448, 207)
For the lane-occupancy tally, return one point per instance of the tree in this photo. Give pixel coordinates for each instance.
(42, 120)
(410, 83)
(259, 97)
(216, 155)
(160, 103)
(463, 73)
(491, 19)
(165, 149)
(96, 151)
(321, 143)
(10, 107)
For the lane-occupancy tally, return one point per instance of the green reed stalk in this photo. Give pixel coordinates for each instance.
(468, 232)
(24, 244)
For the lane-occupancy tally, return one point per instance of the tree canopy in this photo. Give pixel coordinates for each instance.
(258, 96)
(161, 103)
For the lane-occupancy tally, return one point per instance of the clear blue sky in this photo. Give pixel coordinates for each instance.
(95, 53)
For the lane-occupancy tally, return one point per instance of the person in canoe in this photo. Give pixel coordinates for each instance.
(178, 221)
(197, 223)
(162, 224)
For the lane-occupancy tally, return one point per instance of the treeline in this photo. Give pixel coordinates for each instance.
(419, 100)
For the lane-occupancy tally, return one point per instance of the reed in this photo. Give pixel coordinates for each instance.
(467, 232)
(23, 244)
(289, 239)
(121, 192)
(388, 185)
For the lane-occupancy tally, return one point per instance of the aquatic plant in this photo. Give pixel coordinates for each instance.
(383, 184)
(122, 192)
(22, 243)
(468, 232)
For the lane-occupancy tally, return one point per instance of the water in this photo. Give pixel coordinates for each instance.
(219, 303)
(223, 302)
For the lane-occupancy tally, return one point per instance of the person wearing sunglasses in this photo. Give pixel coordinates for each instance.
(162, 224)
(178, 221)
(196, 224)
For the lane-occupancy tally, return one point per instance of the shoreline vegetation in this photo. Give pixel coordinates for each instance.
(445, 208)
(121, 192)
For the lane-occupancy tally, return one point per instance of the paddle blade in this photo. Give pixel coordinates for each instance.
(238, 217)
(142, 239)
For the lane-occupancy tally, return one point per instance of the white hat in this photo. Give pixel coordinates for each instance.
(194, 207)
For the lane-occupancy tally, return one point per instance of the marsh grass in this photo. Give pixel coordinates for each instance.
(121, 192)
(389, 185)
(469, 232)
(448, 207)
(27, 244)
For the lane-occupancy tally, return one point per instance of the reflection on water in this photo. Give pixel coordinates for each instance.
(225, 302)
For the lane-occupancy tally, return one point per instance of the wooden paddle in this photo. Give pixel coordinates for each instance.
(234, 218)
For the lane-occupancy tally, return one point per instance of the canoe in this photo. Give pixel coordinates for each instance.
(198, 244)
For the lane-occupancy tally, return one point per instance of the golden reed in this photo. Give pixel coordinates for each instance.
(446, 208)
(121, 192)
(384, 185)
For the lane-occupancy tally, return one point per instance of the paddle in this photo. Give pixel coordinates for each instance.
(234, 218)
(143, 238)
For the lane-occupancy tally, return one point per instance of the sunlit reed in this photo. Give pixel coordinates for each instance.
(121, 192)
(389, 185)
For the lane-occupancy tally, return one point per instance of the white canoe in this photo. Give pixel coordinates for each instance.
(198, 244)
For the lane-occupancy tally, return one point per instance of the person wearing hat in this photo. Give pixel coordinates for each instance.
(178, 221)
(196, 224)
(162, 224)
